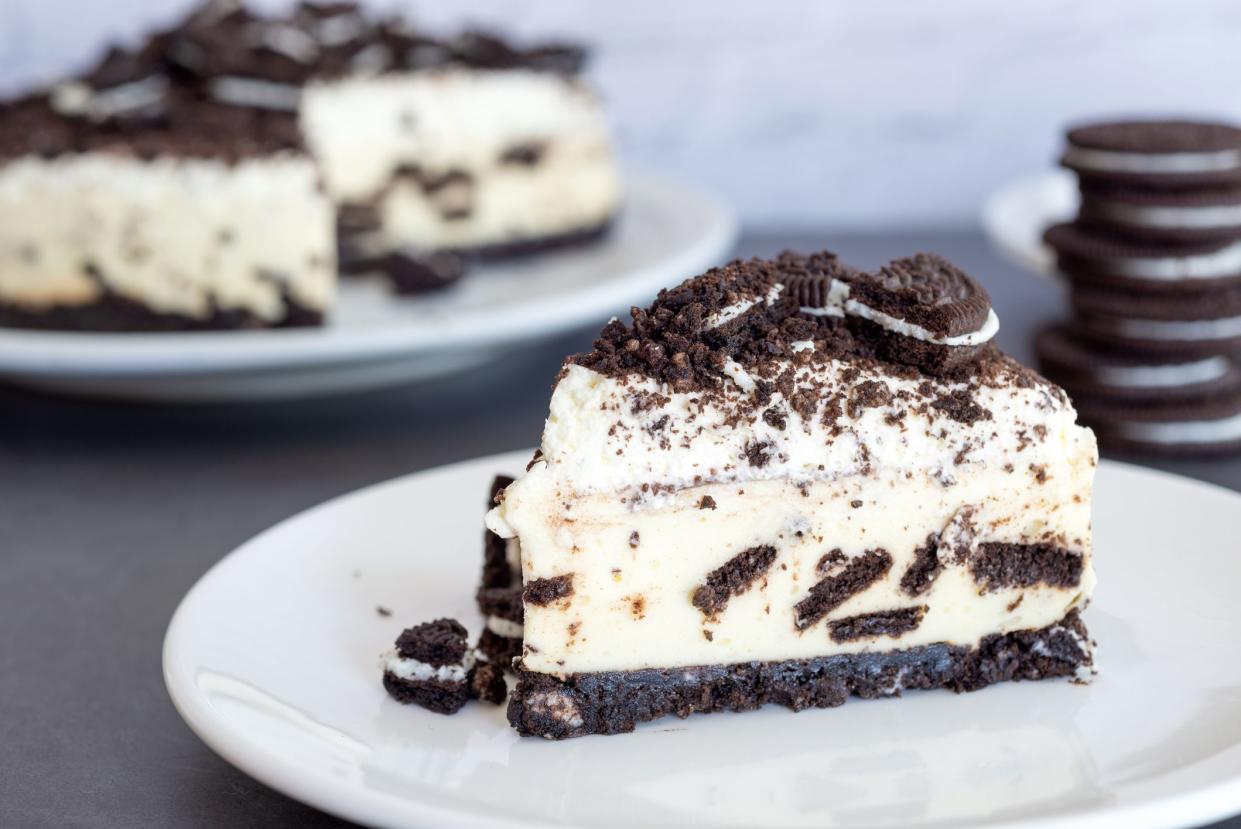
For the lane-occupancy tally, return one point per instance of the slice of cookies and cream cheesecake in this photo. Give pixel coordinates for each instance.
(791, 482)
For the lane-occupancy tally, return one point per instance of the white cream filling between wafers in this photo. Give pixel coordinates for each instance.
(1190, 218)
(1170, 330)
(504, 627)
(1112, 161)
(413, 669)
(1169, 376)
(1224, 262)
(1187, 431)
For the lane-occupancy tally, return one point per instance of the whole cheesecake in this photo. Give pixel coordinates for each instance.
(790, 482)
(216, 175)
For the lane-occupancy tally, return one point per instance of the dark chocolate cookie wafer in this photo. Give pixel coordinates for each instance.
(1089, 371)
(1163, 216)
(1176, 324)
(1202, 427)
(1086, 255)
(1156, 154)
(501, 564)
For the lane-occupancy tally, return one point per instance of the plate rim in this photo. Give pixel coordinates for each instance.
(1039, 259)
(1213, 802)
(45, 354)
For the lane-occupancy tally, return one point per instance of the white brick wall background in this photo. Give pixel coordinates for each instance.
(842, 114)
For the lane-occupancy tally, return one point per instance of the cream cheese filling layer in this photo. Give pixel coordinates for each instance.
(631, 604)
(1114, 161)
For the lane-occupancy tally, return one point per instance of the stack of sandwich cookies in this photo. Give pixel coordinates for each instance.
(754, 495)
(1144, 402)
(1153, 262)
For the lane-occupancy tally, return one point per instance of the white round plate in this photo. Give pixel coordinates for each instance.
(663, 234)
(273, 659)
(1015, 216)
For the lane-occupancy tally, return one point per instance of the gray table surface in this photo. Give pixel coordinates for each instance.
(110, 512)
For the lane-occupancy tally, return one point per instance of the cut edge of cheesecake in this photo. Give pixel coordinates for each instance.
(790, 481)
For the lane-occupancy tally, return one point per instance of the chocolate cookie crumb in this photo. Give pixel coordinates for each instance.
(732, 578)
(890, 623)
(831, 592)
(543, 592)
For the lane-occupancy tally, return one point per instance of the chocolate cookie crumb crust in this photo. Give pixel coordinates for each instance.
(112, 312)
(614, 702)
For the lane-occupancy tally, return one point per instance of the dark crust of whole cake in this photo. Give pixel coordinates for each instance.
(114, 313)
(614, 702)
(223, 40)
(668, 342)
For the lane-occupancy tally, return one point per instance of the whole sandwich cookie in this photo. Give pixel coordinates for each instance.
(1175, 216)
(1174, 324)
(1090, 256)
(921, 311)
(1205, 427)
(1087, 370)
(1156, 154)
(432, 666)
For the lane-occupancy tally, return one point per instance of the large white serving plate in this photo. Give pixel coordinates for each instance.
(665, 233)
(1015, 216)
(272, 659)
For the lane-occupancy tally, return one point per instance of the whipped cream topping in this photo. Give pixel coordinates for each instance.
(639, 438)
(1114, 161)
(839, 304)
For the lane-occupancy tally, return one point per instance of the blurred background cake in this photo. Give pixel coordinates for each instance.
(212, 175)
